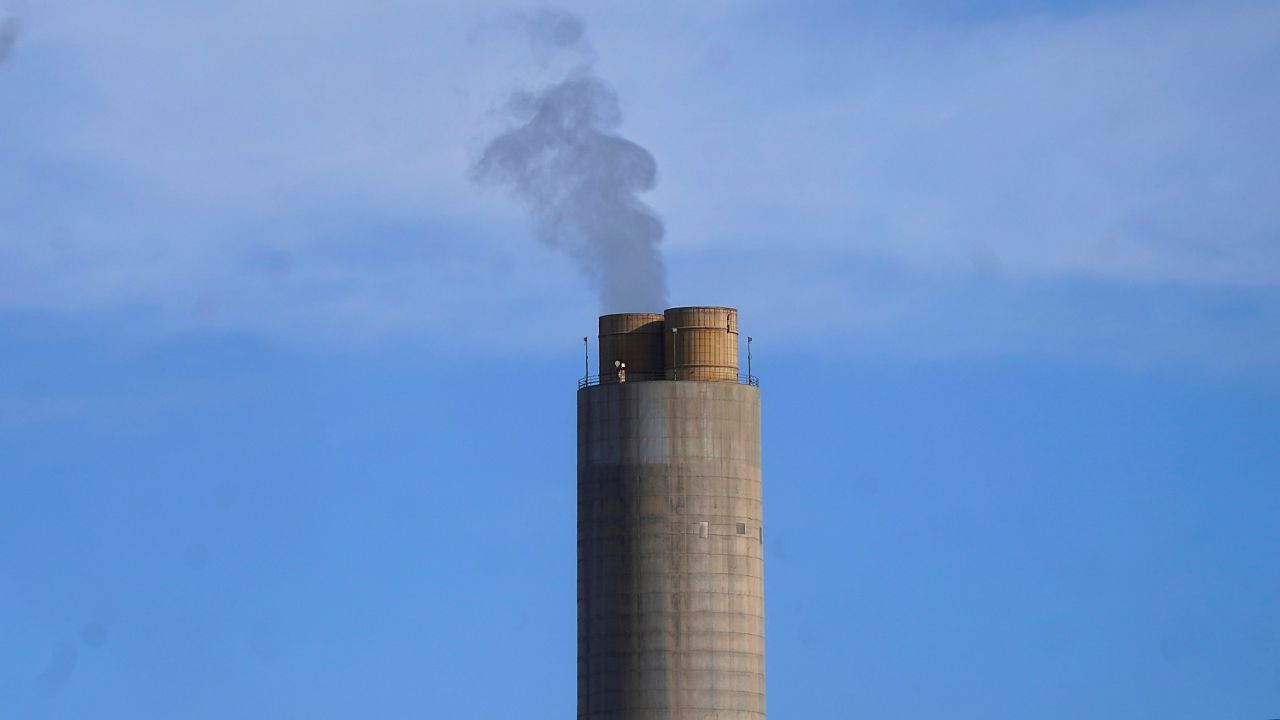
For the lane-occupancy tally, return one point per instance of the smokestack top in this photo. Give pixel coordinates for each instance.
(698, 342)
(624, 317)
(703, 307)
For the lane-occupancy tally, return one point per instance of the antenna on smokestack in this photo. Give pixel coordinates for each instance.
(586, 360)
(675, 358)
(749, 339)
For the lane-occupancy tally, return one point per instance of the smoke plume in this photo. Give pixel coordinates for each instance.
(578, 179)
(9, 27)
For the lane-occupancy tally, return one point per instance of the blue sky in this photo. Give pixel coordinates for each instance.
(286, 401)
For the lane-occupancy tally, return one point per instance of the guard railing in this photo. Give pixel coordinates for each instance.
(682, 375)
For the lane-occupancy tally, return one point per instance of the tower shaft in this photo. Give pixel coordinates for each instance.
(670, 545)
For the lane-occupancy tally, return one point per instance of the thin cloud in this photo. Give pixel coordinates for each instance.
(308, 182)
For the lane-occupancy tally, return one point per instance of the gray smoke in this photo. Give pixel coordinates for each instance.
(578, 179)
(9, 27)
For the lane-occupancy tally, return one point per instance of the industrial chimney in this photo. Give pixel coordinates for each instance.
(670, 523)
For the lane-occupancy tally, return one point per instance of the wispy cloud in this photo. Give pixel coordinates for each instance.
(302, 172)
(1129, 143)
(122, 409)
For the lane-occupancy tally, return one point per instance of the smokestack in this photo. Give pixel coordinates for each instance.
(670, 523)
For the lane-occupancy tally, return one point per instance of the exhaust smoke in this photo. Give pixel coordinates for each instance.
(9, 27)
(577, 178)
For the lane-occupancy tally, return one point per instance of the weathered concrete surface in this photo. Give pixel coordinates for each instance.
(670, 553)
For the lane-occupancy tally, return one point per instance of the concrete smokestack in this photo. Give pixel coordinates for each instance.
(670, 524)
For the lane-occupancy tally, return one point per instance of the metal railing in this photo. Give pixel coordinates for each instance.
(613, 379)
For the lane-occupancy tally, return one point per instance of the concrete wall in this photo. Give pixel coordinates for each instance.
(670, 553)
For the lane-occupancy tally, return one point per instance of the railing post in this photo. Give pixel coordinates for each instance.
(675, 357)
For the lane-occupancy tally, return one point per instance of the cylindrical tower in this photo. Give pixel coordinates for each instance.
(636, 339)
(702, 343)
(670, 549)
